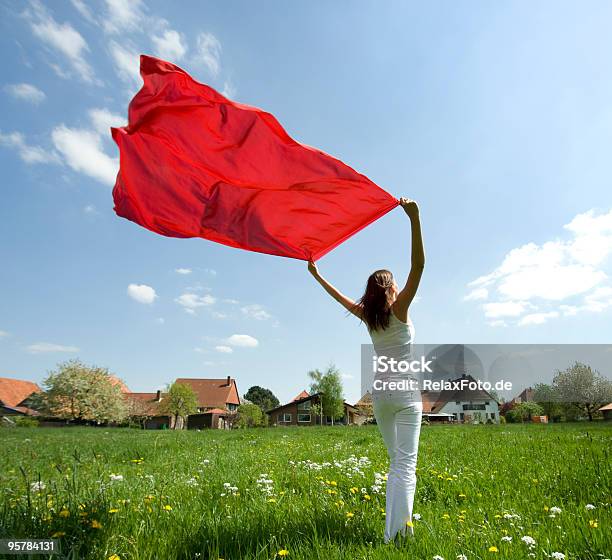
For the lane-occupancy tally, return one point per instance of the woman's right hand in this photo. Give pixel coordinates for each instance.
(410, 206)
(312, 268)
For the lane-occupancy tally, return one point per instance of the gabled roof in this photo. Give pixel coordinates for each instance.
(606, 407)
(116, 381)
(434, 401)
(303, 399)
(15, 391)
(302, 395)
(213, 393)
(148, 400)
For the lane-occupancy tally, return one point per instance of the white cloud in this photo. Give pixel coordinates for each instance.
(209, 52)
(127, 63)
(561, 277)
(231, 301)
(219, 315)
(122, 15)
(141, 293)
(190, 302)
(256, 311)
(29, 154)
(44, 347)
(84, 10)
(82, 150)
(3, 334)
(103, 119)
(223, 349)
(504, 309)
(26, 92)
(62, 38)
(170, 45)
(160, 320)
(537, 318)
(182, 270)
(242, 340)
(228, 89)
(346, 376)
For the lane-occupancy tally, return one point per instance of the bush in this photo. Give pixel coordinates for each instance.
(26, 422)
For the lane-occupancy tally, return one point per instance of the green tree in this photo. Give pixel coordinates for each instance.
(524, 411)
(76, 391)
(583, 387)
(179, 402)
(548, 398)
(249, 416)
(317, 410)
(262, 397)
(329, 384)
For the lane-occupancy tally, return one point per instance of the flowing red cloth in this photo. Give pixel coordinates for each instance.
(196, 164)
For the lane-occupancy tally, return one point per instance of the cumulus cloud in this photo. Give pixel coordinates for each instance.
(169, 45)
(47, 347)
(103, 119)
(123, 16)
(191, 302)
(82, 150)
(29, 154)
(182, 270)
(3, 334)
(208, 52)
(62, 38)
(127, 63)
(224, 349)
(242, 340)
(538, 282)
(26, 92)
(142, 293)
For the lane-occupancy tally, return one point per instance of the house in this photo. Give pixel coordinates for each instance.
(526, 395)
(14, 395)
(217, 402)
(606, 411)
(460, 405)
(298, 412)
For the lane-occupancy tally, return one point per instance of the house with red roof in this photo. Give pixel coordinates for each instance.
(14, 395)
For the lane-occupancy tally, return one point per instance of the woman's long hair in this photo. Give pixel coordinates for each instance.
(377, 300)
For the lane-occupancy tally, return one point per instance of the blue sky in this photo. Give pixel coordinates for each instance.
(496, 117)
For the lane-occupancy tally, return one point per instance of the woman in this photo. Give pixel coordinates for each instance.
(384, 309)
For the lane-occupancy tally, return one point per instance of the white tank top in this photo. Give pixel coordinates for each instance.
(394, 342)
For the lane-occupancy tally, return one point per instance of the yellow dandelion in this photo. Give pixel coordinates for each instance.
(168, 507)
(409, 524)
(493, 549)
(354, 490)
(95, 524)
(350, 514)
(271, 500)
(113, 510)
(593, 523)
(64, 512)
(445, 516)
(367, 497)
(545, 508)
(283, 552)
(114, 557)
(333, 483)
(462, 496)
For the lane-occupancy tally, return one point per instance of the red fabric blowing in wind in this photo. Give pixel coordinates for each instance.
(196, 164)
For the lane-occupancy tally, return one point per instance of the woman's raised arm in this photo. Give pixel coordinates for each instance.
(345, 301)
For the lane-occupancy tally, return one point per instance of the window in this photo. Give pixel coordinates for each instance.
(285, 417)
(457, 402)
(303, 418)
(486, 402)
(304, 406)
(328, 419)
(474, 407)
(231, 407)
(461, 416)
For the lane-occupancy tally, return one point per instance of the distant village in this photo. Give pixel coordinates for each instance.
(219, 402)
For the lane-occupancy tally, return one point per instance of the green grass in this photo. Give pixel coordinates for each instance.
(170, 502)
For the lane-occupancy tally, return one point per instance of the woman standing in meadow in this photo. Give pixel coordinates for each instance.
(384, 309)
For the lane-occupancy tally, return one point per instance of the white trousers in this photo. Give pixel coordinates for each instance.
(398, 415)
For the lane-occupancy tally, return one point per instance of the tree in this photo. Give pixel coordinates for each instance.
(263, 398)
(329, 385)
(524, 411)
(584, 387)
(548, 398)
(317, 411)
(179, 402)
(76, 391)
(249, 416)
(138, 411)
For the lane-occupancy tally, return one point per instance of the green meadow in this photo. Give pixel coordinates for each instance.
(483, 492)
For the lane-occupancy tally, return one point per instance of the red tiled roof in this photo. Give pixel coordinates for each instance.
(215, 393)
(116, 381)
(14, 391)
(216, 411)
(149, 400)
(301, 396)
